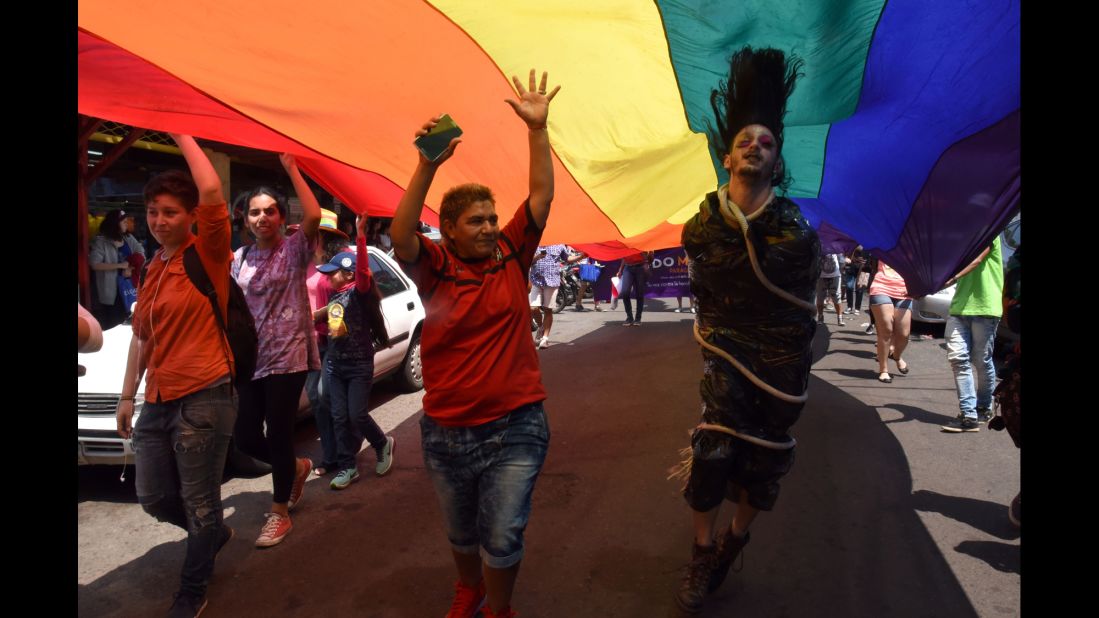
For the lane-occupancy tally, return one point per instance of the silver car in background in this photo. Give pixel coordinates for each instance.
(933, 308)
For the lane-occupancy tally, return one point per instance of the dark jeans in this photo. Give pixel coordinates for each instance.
(320, 403)
(852, 294)
(348, 384)
(634, 278)
(180, 448)
(272, 399)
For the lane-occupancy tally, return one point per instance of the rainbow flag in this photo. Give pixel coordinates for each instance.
(903, 134)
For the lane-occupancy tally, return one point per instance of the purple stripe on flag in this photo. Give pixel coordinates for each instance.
(970, 195)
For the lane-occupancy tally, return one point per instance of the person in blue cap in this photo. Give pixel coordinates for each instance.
(355, 328)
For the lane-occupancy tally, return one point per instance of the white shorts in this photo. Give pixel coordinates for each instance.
(543, 296)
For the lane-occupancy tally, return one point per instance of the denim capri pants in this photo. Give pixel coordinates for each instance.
(484, 478)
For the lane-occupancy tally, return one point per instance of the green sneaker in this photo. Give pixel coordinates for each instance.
(385, 456)
(345, 478)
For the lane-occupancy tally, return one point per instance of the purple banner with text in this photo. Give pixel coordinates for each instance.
(667, 276)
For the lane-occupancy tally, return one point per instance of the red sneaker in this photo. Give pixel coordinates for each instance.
(274, 531)
(305, 465)
(467, 600)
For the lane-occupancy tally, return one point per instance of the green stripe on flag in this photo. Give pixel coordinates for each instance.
(831, 36)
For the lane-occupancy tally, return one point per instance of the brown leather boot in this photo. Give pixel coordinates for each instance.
(692, 592)
(728, 548)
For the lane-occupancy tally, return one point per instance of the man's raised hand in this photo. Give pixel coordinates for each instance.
(533, 103)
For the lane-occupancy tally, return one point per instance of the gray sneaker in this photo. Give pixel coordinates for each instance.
(962, 425)
(345, 478)
(984, 415)
(385, 457)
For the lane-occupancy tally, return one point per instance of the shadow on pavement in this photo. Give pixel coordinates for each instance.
(844, 534)
(912, 413)
(863, 354)
(144, 586)
(608, 533)
(989, 517)
(866, 374)
(1000, 556)
(869, 341)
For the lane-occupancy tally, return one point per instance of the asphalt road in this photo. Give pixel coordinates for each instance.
(882, 514)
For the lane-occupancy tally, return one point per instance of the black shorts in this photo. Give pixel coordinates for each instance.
(724, 464)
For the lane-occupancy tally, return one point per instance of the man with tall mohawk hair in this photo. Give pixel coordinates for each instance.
(754, 267)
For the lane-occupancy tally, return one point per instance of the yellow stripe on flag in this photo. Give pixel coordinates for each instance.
(618, 124)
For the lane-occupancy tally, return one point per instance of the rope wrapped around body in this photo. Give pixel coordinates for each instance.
(733, 216)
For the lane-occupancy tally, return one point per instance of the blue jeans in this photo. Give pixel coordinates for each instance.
(180, 448)
(484, 478)
(320, 403)
(348, 384)
(852, 294)
(969, 342)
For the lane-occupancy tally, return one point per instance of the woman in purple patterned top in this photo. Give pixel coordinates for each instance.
(272, 275)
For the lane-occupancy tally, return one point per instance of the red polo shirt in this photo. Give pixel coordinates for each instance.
(479, 360)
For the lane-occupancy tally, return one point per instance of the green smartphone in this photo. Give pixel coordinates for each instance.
(435, 143)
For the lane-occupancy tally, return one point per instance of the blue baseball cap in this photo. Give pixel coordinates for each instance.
(344, 260)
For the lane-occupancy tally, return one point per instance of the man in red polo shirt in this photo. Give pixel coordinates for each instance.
(484, 430)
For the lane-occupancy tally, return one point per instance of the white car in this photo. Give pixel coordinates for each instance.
(99, 443)
(97, 439)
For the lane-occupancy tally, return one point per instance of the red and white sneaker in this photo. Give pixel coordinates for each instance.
(304, 467)
(274, 531)
(467, 601)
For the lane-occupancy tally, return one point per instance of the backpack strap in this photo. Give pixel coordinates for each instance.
(196, 272)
